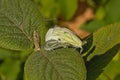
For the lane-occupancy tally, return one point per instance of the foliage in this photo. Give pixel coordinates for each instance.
(107, 13)
(60, 64)
(57, 7)
(112, 70)
(21, 21)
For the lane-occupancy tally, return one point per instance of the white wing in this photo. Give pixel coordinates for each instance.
(50, 35)
(63, 36)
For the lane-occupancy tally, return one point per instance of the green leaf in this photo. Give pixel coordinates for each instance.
(51, 11)
(97, 64)
(100, 13)
(2, 76)
(94, 25)
(112, 71)
(106, 43)
(59, 64)
(5, 53)
(104, 39)
(10, 68)
(117, 77)
(112, 11)
(18, 20)
(68, 8)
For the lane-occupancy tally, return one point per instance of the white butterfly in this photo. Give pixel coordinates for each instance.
(61, 37)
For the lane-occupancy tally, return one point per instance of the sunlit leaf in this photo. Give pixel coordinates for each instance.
(112, 11)
(93, 25)
(104, 39)
(105, 45)
(68, 8)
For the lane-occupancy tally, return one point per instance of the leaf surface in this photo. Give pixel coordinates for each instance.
(68, 8)
(18, 20)
(104, 39)
(10, 69)
(105, 45)
(59, 64)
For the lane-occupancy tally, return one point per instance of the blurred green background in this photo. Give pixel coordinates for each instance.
(105, 12)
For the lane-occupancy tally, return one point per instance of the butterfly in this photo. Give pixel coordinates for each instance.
(61, 37)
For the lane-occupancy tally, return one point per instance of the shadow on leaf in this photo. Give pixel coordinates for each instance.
(117, 77)
(87, 46)
(97, 63)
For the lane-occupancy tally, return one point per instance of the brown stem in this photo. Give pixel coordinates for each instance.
(36, 41)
